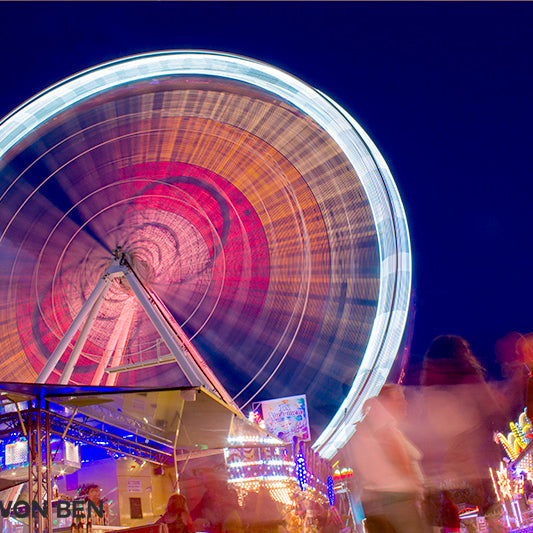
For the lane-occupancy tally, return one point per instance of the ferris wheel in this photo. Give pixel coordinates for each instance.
(194, 217)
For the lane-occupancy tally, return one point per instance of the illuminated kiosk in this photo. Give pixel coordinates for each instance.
(513, 480)
(251, 204)
(131, 441)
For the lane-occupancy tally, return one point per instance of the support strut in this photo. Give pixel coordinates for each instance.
(189, 360)
(112, 272)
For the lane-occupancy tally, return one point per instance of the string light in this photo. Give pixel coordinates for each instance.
(331, 491)
(301, 472)
(254, 439)
(278, 469)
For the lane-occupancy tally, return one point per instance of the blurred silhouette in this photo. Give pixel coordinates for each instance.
(92, 494)
(262, 513)
(176, 516)
(387, 466)
(218, 510)
(458, 413)
(449, 514)
(334, 522)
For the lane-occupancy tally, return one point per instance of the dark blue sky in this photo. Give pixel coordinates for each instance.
(444, 89)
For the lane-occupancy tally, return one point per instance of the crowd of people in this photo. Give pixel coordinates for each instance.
(416, 454)
(421, 450)
(219, 511)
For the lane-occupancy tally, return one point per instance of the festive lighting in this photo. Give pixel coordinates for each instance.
(526, 465)
(519, 437)
(301, 472)
(346, 473)
(469, 512)
(244, 464)
(254, 479)
(280, 470)
(510, 482)
(242, 440)
(509, 448)
(331, 491)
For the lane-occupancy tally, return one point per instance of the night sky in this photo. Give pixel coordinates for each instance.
(443, 89)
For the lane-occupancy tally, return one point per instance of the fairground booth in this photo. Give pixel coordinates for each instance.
(513, 480)
(57, 440)
(139, 447)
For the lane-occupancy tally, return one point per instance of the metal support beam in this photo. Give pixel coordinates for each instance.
(163, 360)
(25, 433)
(39, 467)
(125, 322)
(48, 469)
(176, 349)
(109, 349)
(84, 333)
(31, 465)
(188, 359)
(113, 271)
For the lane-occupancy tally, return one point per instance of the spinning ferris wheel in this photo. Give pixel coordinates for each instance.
(194, 217)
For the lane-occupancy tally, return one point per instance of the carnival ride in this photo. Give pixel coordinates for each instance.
(207, 210)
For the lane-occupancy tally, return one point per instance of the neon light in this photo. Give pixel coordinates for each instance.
(508, 447)
(521, 442)
(243, 464)
(254, 439)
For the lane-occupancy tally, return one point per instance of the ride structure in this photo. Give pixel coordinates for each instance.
(207, 210)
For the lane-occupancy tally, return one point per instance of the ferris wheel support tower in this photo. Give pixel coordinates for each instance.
(189, 360)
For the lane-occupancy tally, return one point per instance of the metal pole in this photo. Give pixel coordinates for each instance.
(126, 321)
(109, 349)
(48, 471)
(190, 352)
(197, 371)
(31, 459)
(21, 421)
(181, 407)
(84, 333)
(39, 466)
(191, 372)
(76, 323)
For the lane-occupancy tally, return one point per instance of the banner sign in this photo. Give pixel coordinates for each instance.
(287, 418)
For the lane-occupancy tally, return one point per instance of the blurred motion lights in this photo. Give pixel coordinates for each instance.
(251, 204)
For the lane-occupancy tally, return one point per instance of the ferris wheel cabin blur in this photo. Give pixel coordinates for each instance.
(189, 217)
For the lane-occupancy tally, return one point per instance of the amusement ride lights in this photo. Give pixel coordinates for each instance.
(152, 73)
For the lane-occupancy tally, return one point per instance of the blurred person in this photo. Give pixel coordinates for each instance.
(387, 467)
(459, 412)
(334, 522)
(232, 522)
(262, 513)
(176, 516)
(92, 494)
(218, 510)
(449, 514)
(295, 517)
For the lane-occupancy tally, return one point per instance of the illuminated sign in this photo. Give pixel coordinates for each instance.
(16, 453)
(287, 418)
